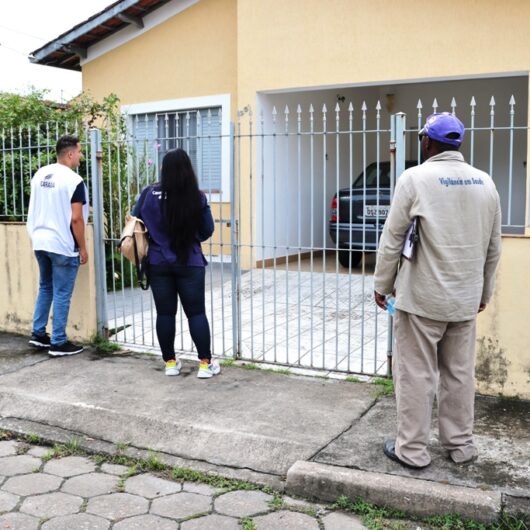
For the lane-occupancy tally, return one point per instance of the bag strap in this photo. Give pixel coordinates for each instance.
(143, 280)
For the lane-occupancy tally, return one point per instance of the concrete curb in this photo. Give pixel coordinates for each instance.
(55, 435)
(415, 496)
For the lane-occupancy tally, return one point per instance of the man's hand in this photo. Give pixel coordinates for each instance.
(481, 307)
(83, 257)
(380, 300)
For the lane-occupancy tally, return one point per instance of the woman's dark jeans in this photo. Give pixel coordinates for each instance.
(168, 281)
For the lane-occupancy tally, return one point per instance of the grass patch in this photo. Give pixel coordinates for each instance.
(281, 371)
(99, 459)
(277, 502)
(33, 438)
(386, 386)
(153, 463)
(372, 515)
(120, 486)
(377, 518)
(103, 345)
(226, 484)
(352, 379)
(121, 447)
(228, 362)
(71, 447)
(249, 366)
(247, 523)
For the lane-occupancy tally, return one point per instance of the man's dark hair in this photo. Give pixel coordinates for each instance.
(442, 147)
(66, 142)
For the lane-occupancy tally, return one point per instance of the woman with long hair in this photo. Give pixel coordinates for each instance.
(178, 218)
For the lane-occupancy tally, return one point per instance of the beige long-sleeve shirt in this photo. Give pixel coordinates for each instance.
(459, 218)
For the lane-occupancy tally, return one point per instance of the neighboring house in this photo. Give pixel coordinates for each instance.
(180, 64)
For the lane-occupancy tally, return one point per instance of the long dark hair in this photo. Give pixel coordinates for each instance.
(181, 201)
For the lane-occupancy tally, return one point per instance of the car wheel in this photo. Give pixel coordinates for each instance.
(346, 255)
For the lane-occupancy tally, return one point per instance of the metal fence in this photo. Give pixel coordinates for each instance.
(290, 275)
(23, 151)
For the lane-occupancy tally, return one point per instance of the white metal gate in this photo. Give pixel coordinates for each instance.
(280, 288)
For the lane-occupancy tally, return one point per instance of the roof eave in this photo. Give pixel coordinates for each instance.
(82, 29)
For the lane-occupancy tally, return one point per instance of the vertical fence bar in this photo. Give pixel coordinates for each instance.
(397, 166)
(234, 243)
(419, 106)
(390, 329)
(324, 231)
(13, 187)
(377, 220)
(472, 138)
(4, 177)
(350, 217)
(96, 155)
(510, 170)
(21, 179)
(251, 227)
(312, 223)
(363, 264)
(287, 232)
(221, 237)
(275, 231)
(492, 133)
(337, 195)
(299, 223)
(263, 247)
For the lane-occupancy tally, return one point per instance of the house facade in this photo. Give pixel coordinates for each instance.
(272, 67)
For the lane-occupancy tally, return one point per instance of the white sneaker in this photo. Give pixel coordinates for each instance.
(207, 371)
(173, 367)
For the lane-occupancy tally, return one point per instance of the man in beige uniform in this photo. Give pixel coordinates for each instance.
(439, 292)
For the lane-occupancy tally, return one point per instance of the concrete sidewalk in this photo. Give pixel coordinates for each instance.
(313, 437)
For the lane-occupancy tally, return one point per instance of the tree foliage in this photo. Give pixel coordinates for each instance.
(29, 128)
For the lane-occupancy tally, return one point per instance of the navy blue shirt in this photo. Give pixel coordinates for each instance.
(160, 251)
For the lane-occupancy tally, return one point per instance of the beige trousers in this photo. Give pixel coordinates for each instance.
(433, 357)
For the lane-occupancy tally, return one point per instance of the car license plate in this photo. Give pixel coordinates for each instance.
(376, 211)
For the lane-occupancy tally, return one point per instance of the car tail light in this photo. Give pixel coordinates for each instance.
(334, 218)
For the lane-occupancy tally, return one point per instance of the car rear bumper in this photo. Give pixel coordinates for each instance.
(356, 236)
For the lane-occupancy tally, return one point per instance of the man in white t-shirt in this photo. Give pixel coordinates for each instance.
(57, 215)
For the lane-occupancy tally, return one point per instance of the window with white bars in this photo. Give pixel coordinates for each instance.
(197, 131)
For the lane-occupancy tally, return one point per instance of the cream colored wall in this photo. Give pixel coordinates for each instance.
(20, 281)
(503, 333)
(308, 43)
(192, 54)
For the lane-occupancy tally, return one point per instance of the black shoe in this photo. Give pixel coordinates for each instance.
(40, 341)
(389, 448)
(68, 348)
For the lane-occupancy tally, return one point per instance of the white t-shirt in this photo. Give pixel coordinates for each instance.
(50, 209)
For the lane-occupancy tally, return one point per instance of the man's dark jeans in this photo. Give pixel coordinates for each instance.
(168, 282)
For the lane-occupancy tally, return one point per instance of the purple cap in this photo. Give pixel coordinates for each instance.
(444, 127)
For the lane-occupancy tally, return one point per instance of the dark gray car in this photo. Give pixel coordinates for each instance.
(358, 213)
